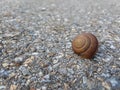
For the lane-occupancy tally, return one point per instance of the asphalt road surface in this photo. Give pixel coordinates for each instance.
(36, 51)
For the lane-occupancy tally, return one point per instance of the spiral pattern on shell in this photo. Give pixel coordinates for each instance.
(85, 45)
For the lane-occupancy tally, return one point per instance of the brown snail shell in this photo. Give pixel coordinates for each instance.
(85, 45)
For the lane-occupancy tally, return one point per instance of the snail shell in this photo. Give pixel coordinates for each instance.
(85, 45)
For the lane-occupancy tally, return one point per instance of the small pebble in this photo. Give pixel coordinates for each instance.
(44, 88)
(24, 70)
(2, 87)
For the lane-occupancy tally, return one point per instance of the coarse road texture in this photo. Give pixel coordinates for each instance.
(35, 44)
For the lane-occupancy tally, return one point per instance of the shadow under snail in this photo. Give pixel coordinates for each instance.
(85, 45)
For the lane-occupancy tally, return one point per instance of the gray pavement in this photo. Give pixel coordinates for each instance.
(35, 44)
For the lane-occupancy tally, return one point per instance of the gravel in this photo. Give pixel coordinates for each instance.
(35, 44)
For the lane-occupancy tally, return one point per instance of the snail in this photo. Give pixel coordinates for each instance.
(85, 45)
